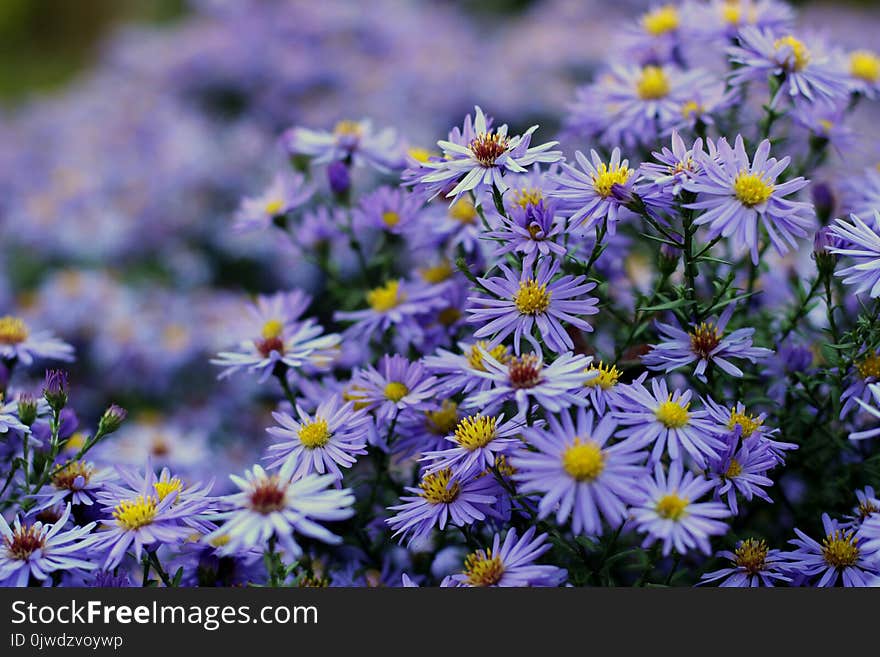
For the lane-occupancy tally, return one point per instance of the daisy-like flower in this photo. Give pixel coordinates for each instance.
(76, 482)
(667, 421)
(862, 244)
(287, 192)
(461, 372)
(807, 74)
(752, 564)
(443, 499)
(533, 299)
(511, 563)
(672, 168)
(352, 142)
(40, 549)
(390, 209)
(481, 164)
(18, 343)
(531, 229)
(741, 471)
(275, 507)
(577, 473)
(867, 508)
(527, 378)
(735, 424)
(396, 386)
(668, 511)
(735, 194)
(706, 344)
(602, 385)
(333, 436)
(844, 554)
(586, 194)
(863, 67)
(656, 36)
(478, 441)
(874, 411)
(727, 17)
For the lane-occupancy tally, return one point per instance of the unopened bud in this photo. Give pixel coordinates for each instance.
(55, 389)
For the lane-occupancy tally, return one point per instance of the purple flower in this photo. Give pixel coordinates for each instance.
(511, 563)
(352, 142)
(736, 424)
(76, 482)
(672, 168)
(741, 471)
(752, 565)
(397, 385)
(864, 372)
(389, 209)
(736, 194)
(287, 192)
(462, 372)
(530, 229)
(478, 442)
(862, 244)
(668, 511)
(17, 342)
(576, 471)
(532, 300)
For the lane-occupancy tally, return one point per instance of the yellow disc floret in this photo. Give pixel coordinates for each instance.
(475, 432)
(662, 20)
(273, 328)
(869, 366)
(136, 513)
(751, 555)
(653, 83)
(864, 65)
(605, 178)
(672, 414)
(165, 486)
(797, 55)
(463, 211)
(386, 297)
(607, 376)
(314, 434)
(532, 298)
(443, 421)
(751, 189)
(437, 489)
(584, 461)
(483, 569)
(498, 352)
(395, 391)
(839, 549)
(749, 424)
(672, 507)
(13, 330)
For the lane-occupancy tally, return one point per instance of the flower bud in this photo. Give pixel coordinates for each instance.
(339, 178)
(112, 419)
(55, 389)
(27, 409)
(822, 243)
(669, 256)
(824, 201)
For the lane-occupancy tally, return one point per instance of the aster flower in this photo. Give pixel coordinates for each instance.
(511, 563)
(530, 229)
(442, 499)
(40, 549)
(397, 385)
(577, 472)
(274, 507)
(533, 299)
(19, 343)
(807, 74)
(389, 209)
(741, 471)
(587, 195)
(478, 442)
(527, 378)
(727, 17)
(481, 164)
(461, 372)
(351, 142)
(76, 482)
(842, 555)
(874, 410)
(706, 344)
(667, 421)
(735, 424)
(752, 564)
(668, 511)
(287, 192)
(735, 194)
(863, 67)
(322, 442)
(656, 36)
(672, 168)
(862, 244)
(867, 508)
(602, 385)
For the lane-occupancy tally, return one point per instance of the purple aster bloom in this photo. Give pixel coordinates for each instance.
(577, 473)
(397, 385)
(752, 565)
(736, 424)
(735, 194)
(863, 68)
(443, 499)
(533, 299)
(874, 411)
(354, 142)
(806, 72)
(389, 209)
(478, 442)
(287, 192)
(867, 508)
(727, 17)
(274, 506)
(666, 420)
(656, 36)
(76, 482)
(586, 194)
(864, 372)
(461, 372)
(843, 554)
(668, 511)
(706, 344)
(322, 442)
(40, 549)
(527, 378)
(741, 471)
(862, 244)
(530, 229)
(511, 563)
(602, 386)
(672, 168)
(18, 343)
(481, 164)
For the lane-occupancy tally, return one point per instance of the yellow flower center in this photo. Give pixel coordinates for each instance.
(748, 423)
(436, 487)
(386, 297)
(661, 21)
(528, 196)
(606, 178)
(274, 206)
(653, 83)
(734, 469)
(751, 189)
(475, 358)
(672, 507)
(395, 391)
(13, 330)
(67, 475)
(348, 129)
(272, 329)
(704, 339)
(691, 109)
(797, 55)
(442, 422)
(463, 211)
(864, 65)
(869, 367)
(475, 432)
(390, 219)
(607, 376)
(134, 514)
(355, 394)
(314, 434)
(482, 569)
(437, 273)
(583, 460)
(164, 487)
(839, 549)
(672, 414)
(531, 298)
(419, 154)
(751, 555)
